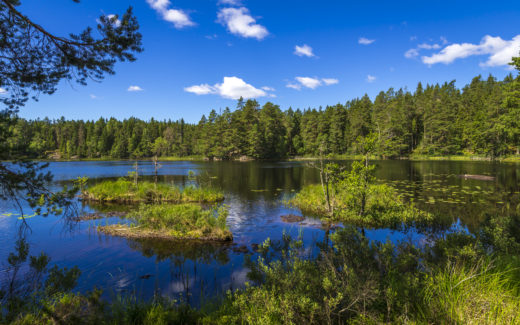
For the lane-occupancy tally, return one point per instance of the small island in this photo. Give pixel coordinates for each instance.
(353, 196)
(383, 207)
(126, 191)
(174, 222)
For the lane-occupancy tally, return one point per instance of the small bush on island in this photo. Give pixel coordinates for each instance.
(125, 191)
(351, 196)
(169, 221)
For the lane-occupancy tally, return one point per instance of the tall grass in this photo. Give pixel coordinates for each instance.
(310, 200)
(481, 293)
(125, 191)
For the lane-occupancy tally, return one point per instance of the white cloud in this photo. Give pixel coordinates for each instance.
(230, 2)
(179, 18)
(500, 51)
(411, 53)
(3, 91)
(239, 22)
(427, 46)
(135, 88)
(365, 41)
(304, 50)
(371, 78)
(266, 88)
(330, 81)
(311, 83)
(234, 88)
(203, 89)
(294, 86)
(159, 5)
(231, 88)
(93, 96)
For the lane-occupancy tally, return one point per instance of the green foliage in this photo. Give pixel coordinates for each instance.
(129, 310)
(180, 221)
(358, 281)
(354, 281)
(502, 233)
(125, 191)
(201, 194)
(436, 120)
(80, 183)
(36, 60)
(384, 209)
(350, 280)
(34, 289)
(352, 197)
(310, 200)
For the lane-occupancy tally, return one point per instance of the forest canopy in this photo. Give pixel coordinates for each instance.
(482, 118)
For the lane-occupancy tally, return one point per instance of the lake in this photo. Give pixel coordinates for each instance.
(255, 193)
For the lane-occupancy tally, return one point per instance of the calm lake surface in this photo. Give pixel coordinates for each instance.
(255, 193)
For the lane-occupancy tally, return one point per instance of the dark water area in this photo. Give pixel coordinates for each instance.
(255, 193)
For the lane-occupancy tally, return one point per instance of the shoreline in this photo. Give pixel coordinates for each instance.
(128, 232)
(508, 159)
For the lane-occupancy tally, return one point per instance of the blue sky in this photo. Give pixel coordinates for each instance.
(199, 55)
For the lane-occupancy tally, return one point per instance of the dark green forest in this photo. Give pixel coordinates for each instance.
(481, 119)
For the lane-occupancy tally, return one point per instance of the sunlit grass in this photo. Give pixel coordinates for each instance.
(476, 294)
(125, 191)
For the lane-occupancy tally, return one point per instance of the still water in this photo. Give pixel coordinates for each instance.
(255, 193)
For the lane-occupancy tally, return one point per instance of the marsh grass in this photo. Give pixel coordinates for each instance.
(310, 200)
(125, 191)
(169, 221)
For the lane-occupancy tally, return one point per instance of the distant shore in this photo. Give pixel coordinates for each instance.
(512, 159)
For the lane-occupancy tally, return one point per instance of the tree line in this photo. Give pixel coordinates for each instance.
(482, 118)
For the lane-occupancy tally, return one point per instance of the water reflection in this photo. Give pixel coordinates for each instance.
(255, 192)
(180, 251)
